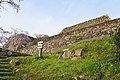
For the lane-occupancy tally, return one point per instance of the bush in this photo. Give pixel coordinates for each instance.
(115, 41)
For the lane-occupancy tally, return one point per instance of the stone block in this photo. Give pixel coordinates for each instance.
(15, 62)
(79, 52)
(67, 54)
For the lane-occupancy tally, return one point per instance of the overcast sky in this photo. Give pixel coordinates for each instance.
(51, 16)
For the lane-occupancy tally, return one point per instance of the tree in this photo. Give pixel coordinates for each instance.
(3, 36)
(115, 41)
(16, 31)
(10, 2)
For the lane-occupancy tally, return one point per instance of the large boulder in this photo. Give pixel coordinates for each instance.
(66, 53)
(18, 41)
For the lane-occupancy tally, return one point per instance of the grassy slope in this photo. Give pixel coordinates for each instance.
(98, 58)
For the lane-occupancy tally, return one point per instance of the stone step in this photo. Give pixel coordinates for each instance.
(4, 60)
(3, 57)
(6, 74)
(5, 66)
(4, 63)
(5, 70)
(6, 77)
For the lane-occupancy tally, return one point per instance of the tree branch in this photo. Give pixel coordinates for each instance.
(10, 2)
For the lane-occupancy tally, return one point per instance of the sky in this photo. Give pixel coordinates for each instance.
(51, 16)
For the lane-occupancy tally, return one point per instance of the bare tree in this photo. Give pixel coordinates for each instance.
(16, 31)
(41, 36)
(10, 2)
(3, 36)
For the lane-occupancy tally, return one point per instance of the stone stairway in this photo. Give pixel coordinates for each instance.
(6, 72)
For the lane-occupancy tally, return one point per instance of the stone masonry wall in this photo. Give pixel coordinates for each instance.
(87, 23)
(64, 39)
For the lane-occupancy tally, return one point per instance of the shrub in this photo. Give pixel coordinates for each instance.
(115, 41)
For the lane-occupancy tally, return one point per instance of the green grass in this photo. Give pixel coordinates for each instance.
(98, 60)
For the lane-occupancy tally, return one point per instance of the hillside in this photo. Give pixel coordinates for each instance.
(97, 63)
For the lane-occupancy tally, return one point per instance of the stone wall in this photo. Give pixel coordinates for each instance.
(87, 23)
(71, 37)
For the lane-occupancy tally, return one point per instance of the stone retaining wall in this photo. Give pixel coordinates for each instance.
(87, 23)
(71, 37)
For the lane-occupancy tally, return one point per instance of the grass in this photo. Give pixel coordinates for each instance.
(98, 61)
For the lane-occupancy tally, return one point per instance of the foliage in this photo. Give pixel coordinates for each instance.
(115, 41)
(115, 37)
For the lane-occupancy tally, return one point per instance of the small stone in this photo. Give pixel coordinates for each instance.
(25, 76)
(93, 78)
(79, 52)
(18, 71)
(59, 55)
(81, 76)
(118, 74)
(15, 62)
(74, 58)
(77, 78)
(67, 54)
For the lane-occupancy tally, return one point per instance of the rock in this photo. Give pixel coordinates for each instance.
(67, 54)
(9, 53)
(59, 55)
(18, 71)
(2, 54)
(25, 76)
(74, 58)
(62, 75)
(84, 77)
(93, 78)
(118, 74)
(79, 52)
(65, 50)
(15, 62)
(77, 78)
(81, 76)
